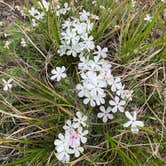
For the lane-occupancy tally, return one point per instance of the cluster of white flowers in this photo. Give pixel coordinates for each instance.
(75, 37)
(45, 6)
(36, 14)
(97, 83)
(97, 87)
(73, 139)
(95, 78)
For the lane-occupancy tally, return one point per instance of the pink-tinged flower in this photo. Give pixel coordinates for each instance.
(133, 122)
(72, 138)
(117, 104)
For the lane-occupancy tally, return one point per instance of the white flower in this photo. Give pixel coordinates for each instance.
(83, 91)
(105, 72)
(60, 143)
(68, 36)
(75, 37)
(80, 120)
(33, 11)
(148, 18)
(117, 104)
(65, 9)
(68, 126)
(95, 17)
(62, 149)
(23, 42)
(125, 94)
(58, 73)
(101, 52)
(90, 99)
(72, 138)
(36, 14)
(80, 28)
(44, 4)
(94, 83)
(89, 25)
(70, 143)
(115, 83)
(40, 16)
(105, 114)
(95, 64)
(67, 24)
(100, 99)
(82, 135)
(92, 88)
(84, 63)
(63, 156)
(73, 50)
(78, 150)
(120, 91)
(133, 122)
(84, 16)
(7, 85)
(63, 48)
(88, 43)
(7, 43)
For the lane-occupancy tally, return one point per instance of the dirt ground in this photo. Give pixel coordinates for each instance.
(6, 13)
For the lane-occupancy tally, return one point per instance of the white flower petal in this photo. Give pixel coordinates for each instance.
(134, 129)
(139, 123)
(100, 115)
(127, 124)
(128, 115)
(105, 119)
